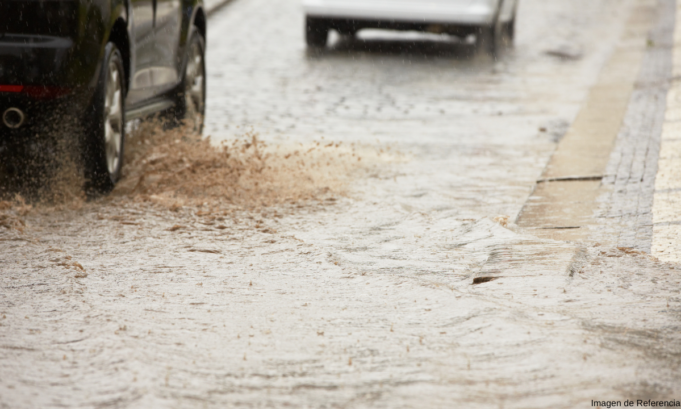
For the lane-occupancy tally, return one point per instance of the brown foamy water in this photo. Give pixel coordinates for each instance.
(174, 168)
(171, 177)
(177, 169)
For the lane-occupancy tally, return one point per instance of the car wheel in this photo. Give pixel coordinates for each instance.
(316, 32)
(348, 36)
(190, 102)
(490, 38)
(509, 30)
(105, 140)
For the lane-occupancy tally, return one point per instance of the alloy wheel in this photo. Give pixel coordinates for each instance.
(113, 117)
(194, 87)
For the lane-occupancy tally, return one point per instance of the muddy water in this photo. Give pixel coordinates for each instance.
(176, 168)
(358, 295)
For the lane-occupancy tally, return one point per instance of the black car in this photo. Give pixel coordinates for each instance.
(101, 62)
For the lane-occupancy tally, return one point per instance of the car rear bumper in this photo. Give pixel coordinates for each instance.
(36, 59)
(45, 78)
(41, 116)
(455, 12)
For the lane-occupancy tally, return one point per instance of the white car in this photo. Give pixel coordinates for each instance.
(491, 21)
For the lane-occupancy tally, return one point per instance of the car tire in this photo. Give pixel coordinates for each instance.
(490, 38)
(190, 99)
(105, 134)
(316, 32)
(509, 30)
(348, 36)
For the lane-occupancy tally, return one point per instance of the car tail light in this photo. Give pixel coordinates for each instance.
(11, 88)
(37, 91)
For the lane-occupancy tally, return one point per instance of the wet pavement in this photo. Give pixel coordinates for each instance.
(408, 285)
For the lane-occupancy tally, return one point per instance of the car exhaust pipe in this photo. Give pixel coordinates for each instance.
(13, 118)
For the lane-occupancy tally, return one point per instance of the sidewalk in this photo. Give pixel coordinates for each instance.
(667, 204)
(594, 176)
(614, 178)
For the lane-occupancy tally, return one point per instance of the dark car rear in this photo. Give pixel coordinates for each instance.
(59, 57)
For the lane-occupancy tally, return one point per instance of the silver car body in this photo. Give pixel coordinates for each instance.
(460, 12)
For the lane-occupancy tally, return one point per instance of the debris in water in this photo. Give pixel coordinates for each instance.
(205, 251)
(566, 52)
(502, 220)
(480, 280)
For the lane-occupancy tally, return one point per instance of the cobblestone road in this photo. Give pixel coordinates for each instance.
(368, 301)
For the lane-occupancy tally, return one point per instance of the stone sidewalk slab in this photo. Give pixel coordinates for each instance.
(610, 154)
(565, 199)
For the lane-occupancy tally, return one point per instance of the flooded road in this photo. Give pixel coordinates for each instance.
(380, 268)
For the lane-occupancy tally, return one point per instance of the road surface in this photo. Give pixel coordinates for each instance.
(389, 274)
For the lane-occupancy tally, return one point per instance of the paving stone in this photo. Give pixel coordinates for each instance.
(626, 211)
